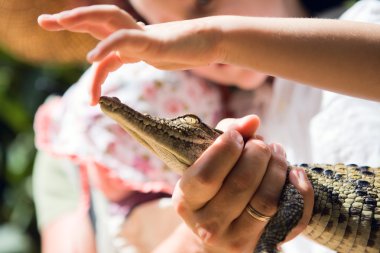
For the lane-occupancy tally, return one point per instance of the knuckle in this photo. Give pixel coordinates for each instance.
(230, 143)
(232, 150)
(212, 228)
(266, 204)
(204, 179)
(278, 167)
(242, 180)
(279, 162)
(155, 47)
(180, 200)
(260, 148)
(180, 206)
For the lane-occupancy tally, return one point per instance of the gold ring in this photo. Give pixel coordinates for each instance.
(256, 214)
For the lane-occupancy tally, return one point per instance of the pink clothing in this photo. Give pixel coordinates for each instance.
(69, 127)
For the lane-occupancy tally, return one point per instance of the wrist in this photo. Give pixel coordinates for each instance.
(211, 29)
(221, 44)
(244, 41)
(230, 32)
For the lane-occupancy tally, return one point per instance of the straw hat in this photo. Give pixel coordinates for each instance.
(21, 36)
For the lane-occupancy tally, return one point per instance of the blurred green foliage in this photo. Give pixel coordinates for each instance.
(23, 88)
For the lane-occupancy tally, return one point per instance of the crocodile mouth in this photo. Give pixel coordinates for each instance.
(171, 159)
(128, 119)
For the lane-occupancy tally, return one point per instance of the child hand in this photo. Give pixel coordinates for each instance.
(174, 45)
(214, 192)
(100, 21)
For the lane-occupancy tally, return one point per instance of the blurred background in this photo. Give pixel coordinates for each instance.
(34, 64)
(23, 88)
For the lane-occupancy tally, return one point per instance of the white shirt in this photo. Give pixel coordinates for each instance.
(325, 127)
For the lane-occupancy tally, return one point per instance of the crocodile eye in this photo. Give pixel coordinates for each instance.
(192, 119)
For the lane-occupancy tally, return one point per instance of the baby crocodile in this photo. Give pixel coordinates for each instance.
(346, 214)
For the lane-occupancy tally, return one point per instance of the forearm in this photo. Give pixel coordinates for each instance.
(341, 56)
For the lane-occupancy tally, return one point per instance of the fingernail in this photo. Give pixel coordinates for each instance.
(91, 55)
(278, 149)
(45, 16)
(301, 175)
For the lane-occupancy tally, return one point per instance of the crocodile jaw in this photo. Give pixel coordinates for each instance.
(178, 142)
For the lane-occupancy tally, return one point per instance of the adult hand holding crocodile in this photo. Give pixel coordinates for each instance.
(230, 193)
(213, 194)
(265, 44)
(226, 196)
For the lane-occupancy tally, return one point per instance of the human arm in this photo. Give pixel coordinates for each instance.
(341, 56)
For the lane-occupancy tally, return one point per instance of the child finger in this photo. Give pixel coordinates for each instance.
(49, 22)
(98, 32)
(108, 17)
(100, 73)
(134, 42)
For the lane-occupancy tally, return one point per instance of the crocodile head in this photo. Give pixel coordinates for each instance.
(178, 142)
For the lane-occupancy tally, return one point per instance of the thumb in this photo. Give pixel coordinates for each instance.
(298, 178)
(246, 126)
